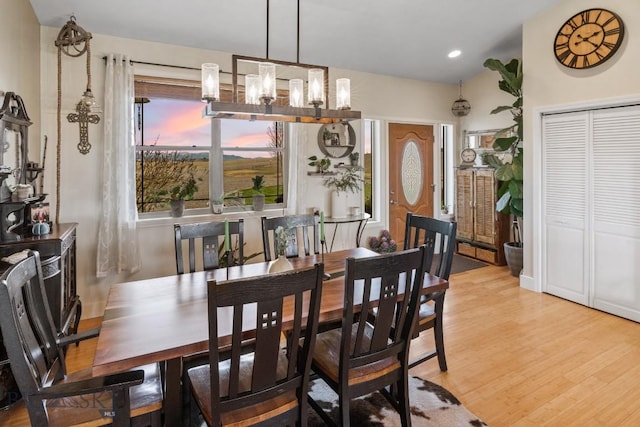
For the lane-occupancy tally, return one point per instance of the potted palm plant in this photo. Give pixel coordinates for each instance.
(508, 164)
(258, 194)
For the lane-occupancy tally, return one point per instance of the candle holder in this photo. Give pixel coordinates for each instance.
(325, 275)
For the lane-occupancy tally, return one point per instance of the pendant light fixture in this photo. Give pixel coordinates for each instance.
(461, 106)
(261, 95)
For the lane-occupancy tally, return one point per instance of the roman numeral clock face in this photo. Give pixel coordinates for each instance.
(588, 38)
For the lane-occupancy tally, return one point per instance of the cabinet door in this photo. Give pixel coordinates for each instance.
(464, 203)
(484, 222)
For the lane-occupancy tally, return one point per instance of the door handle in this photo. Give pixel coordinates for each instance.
(393, 202)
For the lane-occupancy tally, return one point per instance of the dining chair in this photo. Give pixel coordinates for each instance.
(438, 237)
(51, 395)
(297, 229)
(368, 354)
(210, 236)
(268, 384)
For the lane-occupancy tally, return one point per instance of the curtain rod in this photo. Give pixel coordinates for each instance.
(166, 65)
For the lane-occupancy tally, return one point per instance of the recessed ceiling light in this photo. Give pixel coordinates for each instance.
(454, 53)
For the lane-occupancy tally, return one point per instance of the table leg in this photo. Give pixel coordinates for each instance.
(173, 393)
(361, 227)
(335, 229)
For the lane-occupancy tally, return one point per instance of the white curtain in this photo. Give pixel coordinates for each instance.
(293, 189)
(117, 240)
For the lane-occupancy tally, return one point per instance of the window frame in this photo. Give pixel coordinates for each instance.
(188, 88)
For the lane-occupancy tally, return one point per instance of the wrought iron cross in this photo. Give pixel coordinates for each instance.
(83, 118)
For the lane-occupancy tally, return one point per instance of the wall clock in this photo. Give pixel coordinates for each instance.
(588, 38)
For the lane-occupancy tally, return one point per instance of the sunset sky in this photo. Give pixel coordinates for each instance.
(180, 123)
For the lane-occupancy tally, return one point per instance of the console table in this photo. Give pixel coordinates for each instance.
(361, 219)
(58, 254)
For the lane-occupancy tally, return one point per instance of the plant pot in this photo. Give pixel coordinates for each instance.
(177, 208)
(217, 208)
(513, 255)
(258, 202)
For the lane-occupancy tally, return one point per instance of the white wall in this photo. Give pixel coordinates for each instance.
(20, 53)
(549, 84)
(81, 192)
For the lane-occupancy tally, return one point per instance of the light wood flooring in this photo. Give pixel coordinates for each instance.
(515, 357)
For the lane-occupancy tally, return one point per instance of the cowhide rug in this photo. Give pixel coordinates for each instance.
(431, 405)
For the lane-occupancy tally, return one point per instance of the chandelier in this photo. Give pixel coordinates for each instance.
(264, 100)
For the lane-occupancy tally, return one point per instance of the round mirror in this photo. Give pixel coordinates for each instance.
(336, 140)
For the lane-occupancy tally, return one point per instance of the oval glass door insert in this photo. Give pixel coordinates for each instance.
(411, 172)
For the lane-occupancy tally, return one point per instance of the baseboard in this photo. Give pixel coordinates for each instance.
(528, 282)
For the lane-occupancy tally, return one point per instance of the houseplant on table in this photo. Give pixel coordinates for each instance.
(508, 162)
(258, 195)
(347, 180)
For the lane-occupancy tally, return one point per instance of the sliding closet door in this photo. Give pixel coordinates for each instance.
(565, 241)
(615, 186)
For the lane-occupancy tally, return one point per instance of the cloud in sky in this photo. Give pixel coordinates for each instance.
(180, 123)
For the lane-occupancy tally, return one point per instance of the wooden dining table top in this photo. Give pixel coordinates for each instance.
(164, 318)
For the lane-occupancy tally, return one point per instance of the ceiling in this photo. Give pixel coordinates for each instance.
(403, 38)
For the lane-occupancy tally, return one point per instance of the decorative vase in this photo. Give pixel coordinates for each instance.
(513, 255)
(177, 208)
(279, 265)
(339, 202)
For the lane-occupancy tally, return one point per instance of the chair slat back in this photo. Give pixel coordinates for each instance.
(276, 366)
(387, 283)
(297, 229)
(439, 239)
(28, 331)
(209, 237)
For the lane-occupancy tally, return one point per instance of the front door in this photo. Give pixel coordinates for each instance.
(410, 174)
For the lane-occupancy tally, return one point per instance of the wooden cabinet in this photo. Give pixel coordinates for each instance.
(58, 256)
(481, 230)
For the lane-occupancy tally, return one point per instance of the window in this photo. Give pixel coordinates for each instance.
(174, 142)
(371, 144)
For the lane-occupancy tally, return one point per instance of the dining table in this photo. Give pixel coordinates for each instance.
(164, 318)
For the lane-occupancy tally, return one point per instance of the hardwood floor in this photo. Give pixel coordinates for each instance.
(515, 357)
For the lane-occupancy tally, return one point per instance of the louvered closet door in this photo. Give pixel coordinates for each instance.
(616, 211)
(565, 241)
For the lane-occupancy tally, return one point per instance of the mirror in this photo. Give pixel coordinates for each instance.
(336, 140)
(482, 142)
(14, 124)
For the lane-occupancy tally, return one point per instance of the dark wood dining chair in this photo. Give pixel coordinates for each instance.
(439, 238)
(210, 237)
(297, 229)
(368, 354)
(268, 384)
(51, 395)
